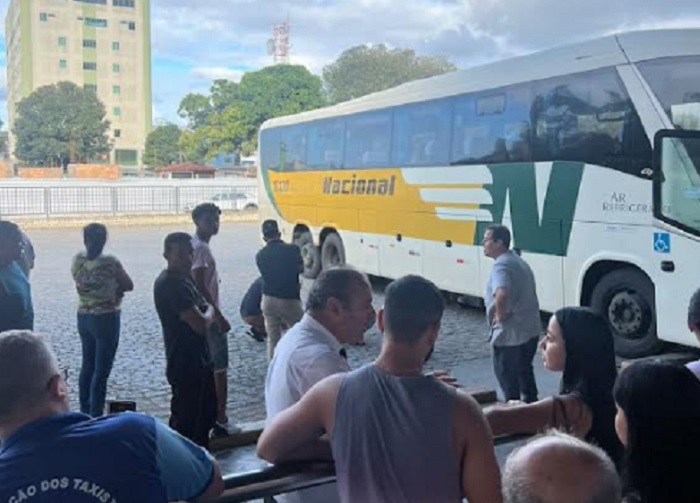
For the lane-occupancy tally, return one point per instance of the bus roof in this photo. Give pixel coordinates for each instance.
(603, 52)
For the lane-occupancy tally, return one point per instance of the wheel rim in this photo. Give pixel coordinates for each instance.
(307, 254)
(628, 314)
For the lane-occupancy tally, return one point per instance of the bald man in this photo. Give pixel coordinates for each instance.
(559, 468)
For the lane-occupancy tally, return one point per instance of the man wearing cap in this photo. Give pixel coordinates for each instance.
(279, 264)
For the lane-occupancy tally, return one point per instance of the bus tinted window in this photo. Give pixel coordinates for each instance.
(588, 118)
(676, 84)
(422, 134)
(368, 140)
(270, 149)
(326, 144)
(294, 148)
(492, 128)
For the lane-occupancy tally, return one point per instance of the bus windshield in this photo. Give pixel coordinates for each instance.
(676, 84)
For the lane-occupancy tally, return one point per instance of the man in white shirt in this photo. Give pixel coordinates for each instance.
(206, 277)
(338, 311)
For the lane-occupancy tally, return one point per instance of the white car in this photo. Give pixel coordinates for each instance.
(229, 201)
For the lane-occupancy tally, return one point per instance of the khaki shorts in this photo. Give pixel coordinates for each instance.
(218, 348)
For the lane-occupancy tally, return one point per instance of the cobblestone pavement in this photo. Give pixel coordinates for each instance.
(139, 369)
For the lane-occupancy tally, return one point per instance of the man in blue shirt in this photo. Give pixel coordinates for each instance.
(16, 311)
(49, 454)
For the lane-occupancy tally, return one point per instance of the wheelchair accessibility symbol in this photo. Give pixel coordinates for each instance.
(662, 242)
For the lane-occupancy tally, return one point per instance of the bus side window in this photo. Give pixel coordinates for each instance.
(325, 150)
(422, 134)
(294, 139)
(270, 148)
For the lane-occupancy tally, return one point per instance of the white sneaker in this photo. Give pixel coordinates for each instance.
(225, 429)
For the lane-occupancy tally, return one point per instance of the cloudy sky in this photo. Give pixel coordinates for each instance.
(195, 41)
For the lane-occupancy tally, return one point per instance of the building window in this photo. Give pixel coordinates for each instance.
(116, 68)
(123, 3)
(117, 111)
(90, 65)
(132, 25)
(117, 133)
(115, 46)
(95, 23)
(90, 44)
(96, 2)
(126, 157)
(62, 41)
(43, 17)
(116, 90)
(63, 64)
(91, 87)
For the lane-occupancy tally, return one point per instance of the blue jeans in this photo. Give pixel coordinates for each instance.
(99, 334)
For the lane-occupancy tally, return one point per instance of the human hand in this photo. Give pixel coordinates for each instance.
(446, 378)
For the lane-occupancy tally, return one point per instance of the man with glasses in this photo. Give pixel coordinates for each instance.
(16, 310)
(50, 454)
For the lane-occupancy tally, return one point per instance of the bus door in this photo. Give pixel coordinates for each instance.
(676, 232)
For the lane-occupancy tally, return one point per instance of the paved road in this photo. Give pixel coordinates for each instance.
(139, 371)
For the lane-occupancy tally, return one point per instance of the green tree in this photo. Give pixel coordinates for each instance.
(223, 94)
(228, 120)
(279, 90)
(366, 69)
(162, 145)
(61, 122)
(195, 109)
(194, 144)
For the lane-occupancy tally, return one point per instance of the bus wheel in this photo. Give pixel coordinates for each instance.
(309, 254)
(332, 251)
(625, 297)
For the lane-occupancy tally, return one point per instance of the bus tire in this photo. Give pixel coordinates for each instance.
(309, 254)
(625, 298)
(332, 252)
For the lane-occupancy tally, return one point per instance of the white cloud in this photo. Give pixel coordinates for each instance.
(197, 42)
(217, 72)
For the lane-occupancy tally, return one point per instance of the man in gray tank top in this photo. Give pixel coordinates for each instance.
(396, 435)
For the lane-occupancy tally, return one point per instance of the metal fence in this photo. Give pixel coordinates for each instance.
(31, 200)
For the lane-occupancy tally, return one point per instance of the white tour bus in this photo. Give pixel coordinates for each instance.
(589, 153)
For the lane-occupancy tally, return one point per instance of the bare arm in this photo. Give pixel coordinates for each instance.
(215, 488)
(123, 279)
(295, 433)
(500, 304)
(196, 320)
(481, 477)
(536, 417)
(198, 276)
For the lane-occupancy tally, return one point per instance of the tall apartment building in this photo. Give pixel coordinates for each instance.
(104, 45)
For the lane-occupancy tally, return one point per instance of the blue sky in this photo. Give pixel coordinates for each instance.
(195, 42)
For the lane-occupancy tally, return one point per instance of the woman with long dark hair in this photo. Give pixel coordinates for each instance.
(658, 421)
(101, 282)
(578, 343)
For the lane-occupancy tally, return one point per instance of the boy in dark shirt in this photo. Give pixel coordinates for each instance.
(185, 317)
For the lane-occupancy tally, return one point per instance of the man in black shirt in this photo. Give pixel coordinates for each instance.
(185, 317)
(251, 311)
(279, 264)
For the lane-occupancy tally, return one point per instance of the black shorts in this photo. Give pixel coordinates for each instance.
(193, 406)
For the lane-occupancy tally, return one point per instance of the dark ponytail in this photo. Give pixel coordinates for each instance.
(95, 238)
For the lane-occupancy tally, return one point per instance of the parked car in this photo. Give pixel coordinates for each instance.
(229, 201)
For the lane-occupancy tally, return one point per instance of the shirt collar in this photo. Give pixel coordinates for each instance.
(311, 324)
(39, 429)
